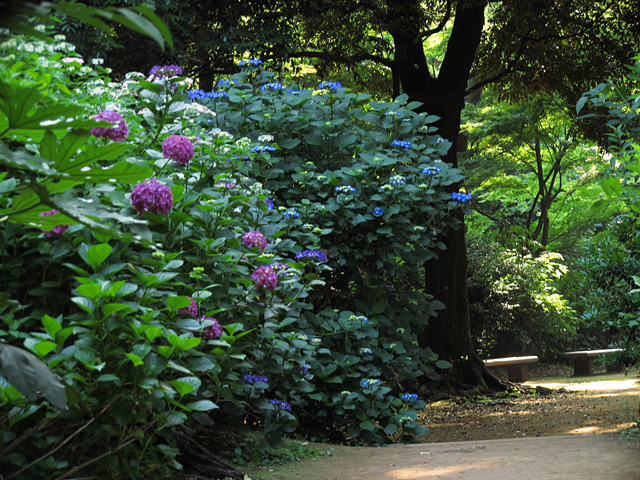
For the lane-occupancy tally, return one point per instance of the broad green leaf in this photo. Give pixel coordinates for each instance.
(85, 356)
(93, 153)
(367, 425)
(111, 308)
(183, 388)
(84, 303)
(443, 364)
(51, 325)
(134, 358)
(117, 173)
(141, 349)
(202, 405)
(89, 291)
(98, 254)
(107, 377)
(152, 333)
(176, 303)
(45, 347)
(190, 343)
(390, 429)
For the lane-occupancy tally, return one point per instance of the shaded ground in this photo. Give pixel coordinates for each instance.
(600, 405)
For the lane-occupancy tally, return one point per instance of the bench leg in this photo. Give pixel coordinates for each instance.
(583, 367)
(517, 373)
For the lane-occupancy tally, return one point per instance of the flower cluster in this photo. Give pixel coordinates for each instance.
(263, 148)
(152, 196)
(281, 403)
(254, 63)
(265, 277)
(178, 148)
(191, 310)
(366, 351)
(265, 138)
(401, 143)
(254, 239)
(317, 254)
(274, 85)
(250, 378)
(461, 196)
(279, 266)
(378, 211)
(397, 180)
(200, 94)
(316, 341)
(222, 82)
(212, 331)
(345, 189)
(219, 133)
(333, 85)
(295, 91)
(117, 133)
(291, 213)
(369, 382)
(393, 113)
(58, 230)
(409, 397)
(359, 318)
(227, 185)
(431, 170)
(165, 71)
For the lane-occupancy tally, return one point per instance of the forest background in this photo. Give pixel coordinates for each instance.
(376, 301)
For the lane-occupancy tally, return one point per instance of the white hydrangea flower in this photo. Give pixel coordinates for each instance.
(97, 61)
(72, 59)
(265, 138)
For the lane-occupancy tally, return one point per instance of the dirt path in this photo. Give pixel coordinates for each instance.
(559, 437)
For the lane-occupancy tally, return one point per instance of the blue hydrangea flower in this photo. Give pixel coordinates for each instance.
(295, 91)
(409, 397)
(333, 85)
(366, 351)
(401, 143)
(216, 94)
(316, 254)
(291, 213)
(303, 370)
(431, 170)
(368, 382)
(255, 63)
(263, 148)
(440, 140)
(378, 211)
(274, 85)
(251, 378)
(345, 189)
(393, 113)
(223, 82)
(397, 180)
(461, 196)
(281, 404)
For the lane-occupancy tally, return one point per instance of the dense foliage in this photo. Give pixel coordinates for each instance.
(245, 257)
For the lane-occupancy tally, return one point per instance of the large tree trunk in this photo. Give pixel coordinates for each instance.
(448, 335)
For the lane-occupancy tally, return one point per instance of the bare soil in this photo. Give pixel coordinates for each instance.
(560, 436)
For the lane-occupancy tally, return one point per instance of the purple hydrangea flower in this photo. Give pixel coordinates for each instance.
(58, 230)
(117, 133)
(178, 148)
(191, 310)
(303, 370)
(265, 277)
(251, 378)
(165, 71)
(152, 196)
(228, 185)
(269, 204)
(317, 254)
(212, 331)
(281, 403)
(254, 239)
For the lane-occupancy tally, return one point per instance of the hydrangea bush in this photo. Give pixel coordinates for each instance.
(254, 250)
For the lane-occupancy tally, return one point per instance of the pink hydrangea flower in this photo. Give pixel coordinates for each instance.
(58, 230)
(178, 148)
(191, 310)
(152, 196)
(165, 71)
(212, 331)
(117, 133)
(265, 277)
(254, 239)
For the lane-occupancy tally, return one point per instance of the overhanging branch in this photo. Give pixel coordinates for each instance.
(440, 26)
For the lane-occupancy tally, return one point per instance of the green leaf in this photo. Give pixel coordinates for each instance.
(85, 356)
(92, 154)
(117, 173)
(202, 405)
(367, 425)
(176, 303)
(134, 358)
(190, 343)
(44, 347)
(98, 254)
(84, 303)
(152, 333)
(111, 308)
(443, 364)
(51, 325)
(107, 377)
(141, 350)
(378, 307)
(183, 388)
(90, 291)
(390, 429)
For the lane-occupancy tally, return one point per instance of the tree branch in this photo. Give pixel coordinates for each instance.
(342, 59)
(440, 26)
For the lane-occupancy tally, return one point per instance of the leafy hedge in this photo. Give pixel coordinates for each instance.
(276, 284)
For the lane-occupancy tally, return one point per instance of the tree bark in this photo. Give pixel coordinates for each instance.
(448, 334)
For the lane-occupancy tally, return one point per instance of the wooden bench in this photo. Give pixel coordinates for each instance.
(583, 360)
(517, 371)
